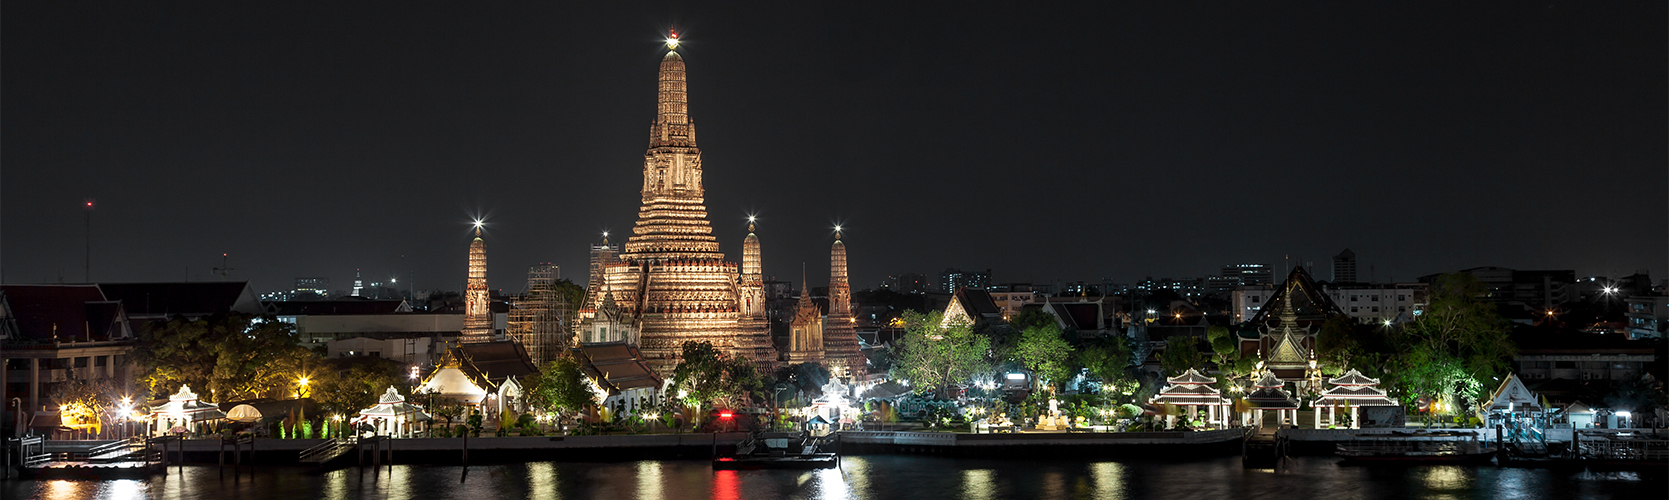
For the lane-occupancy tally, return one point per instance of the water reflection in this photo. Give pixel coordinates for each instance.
(724, 485)
(885, 477)
(541, 481)
(1108, 478)
(979, 484)
(649, 480)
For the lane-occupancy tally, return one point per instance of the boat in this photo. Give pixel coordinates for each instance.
(1416, 448)
(781, 450)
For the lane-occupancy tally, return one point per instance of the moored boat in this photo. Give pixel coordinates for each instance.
(781, 450)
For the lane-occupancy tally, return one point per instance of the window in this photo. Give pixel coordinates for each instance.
(1256, 299)
(101, 360)
(1352, 308)
(1402, 298)
(81, 362)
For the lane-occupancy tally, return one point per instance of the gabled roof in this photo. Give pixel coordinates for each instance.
(190, 299)
(1191, 377)
(1308, 300)
(64, 313)
(1270, 393)
(1512, 394)
(496, 361)
(616, 367)
(1353, 377)
(1078, 315)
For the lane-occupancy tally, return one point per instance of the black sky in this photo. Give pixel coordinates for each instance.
(1044, 143)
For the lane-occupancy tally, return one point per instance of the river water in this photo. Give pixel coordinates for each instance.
(874, 476)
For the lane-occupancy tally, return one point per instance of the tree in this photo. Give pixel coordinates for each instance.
(1030, 318)
(933, 356)
(707, 378)
(1231, 365)
(561, 387)
(233, 356)
(1045, 353)
(1455, 349)
(346, 385)
(1181, 353)
(1107, 359)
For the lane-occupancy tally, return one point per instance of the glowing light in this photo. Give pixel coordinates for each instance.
(726, 414)
(479, 223)
(302, 382)
(672, 40)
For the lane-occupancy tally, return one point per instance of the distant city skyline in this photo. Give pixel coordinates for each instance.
(1124, 143)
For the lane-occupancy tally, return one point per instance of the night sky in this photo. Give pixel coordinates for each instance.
(311, 139)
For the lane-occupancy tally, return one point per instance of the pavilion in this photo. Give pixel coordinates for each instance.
(450, 381)
(1271, 396)
(1353, 390)
(392, 416)
(1191, 390)
(183, 410)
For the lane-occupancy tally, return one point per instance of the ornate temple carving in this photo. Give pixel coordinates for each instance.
(478, 316)
(670, 279)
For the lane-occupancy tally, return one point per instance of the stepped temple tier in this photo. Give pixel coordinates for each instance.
(670, 281)
(478, 318)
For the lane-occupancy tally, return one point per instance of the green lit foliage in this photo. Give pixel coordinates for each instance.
(1231, 365)
(232, 357)
(1181, 353)
(707, 378)
(1455, 350)
(1045, 353)
(932, 357)
(346, 385)
(561, 388)
(1108, 359)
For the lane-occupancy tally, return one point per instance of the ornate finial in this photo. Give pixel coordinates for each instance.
(751, 220)
(672, 39)
(478, 224)
(605, 238)
(837, 231)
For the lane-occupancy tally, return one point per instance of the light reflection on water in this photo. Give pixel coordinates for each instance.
(1307, 478)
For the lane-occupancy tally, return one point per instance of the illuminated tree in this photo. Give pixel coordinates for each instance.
(707, 378)
(1456, 348)
(933, 356)
(1042, 350)
(562, 388)
(1181, 353)
(234, 356)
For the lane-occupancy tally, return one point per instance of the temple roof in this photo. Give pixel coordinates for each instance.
(1353, 377)
(63, 312)
(616, 367)
(1191, 377)
(1512, 394)
(1307, 299)
(392, 405)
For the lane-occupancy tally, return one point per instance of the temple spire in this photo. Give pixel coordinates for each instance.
(478, 321)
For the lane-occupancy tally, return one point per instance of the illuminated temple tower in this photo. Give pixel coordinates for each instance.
(478, 316)
(840, 338)
(670, 276)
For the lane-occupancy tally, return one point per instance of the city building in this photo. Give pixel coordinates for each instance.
(1648, 317)
(1535, 290)
(1366, 302)
(1344, 267)
(1012, 302)
(52, 334)
(1249, 274)
(956, 279)
(908, 283)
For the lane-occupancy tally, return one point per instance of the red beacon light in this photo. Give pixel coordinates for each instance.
(726, 414)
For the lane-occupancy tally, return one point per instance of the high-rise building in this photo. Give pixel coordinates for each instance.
(1344, 267)
(478, 316)
(311, 288)
(953, 279)
(670, 275)
(1250, 274)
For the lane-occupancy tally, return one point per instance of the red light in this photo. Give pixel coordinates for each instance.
(726, 414)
